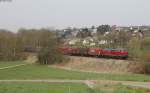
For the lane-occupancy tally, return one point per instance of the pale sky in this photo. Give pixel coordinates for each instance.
(74, 13)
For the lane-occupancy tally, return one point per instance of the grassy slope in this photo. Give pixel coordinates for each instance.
(44, 72)
(9, 63)
(43, 88)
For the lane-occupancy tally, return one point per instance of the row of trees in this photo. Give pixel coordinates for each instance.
(43, 41)
(10, 46)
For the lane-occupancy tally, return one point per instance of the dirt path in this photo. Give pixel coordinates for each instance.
(89, 83)
(128, 83)
(12, 66)
(137, 84)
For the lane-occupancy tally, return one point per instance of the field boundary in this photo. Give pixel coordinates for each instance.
(12, 66)
(86, 82)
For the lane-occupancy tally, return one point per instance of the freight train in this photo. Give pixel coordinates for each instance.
(96, 52)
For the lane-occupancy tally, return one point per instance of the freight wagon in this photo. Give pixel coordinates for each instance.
(96, 52)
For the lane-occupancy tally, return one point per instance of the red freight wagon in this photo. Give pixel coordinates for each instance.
(64, 50)
(94, 51)
(83, 51)
(74, 51)
(109, 52)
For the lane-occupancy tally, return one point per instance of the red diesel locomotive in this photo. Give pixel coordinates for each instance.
(95, 52)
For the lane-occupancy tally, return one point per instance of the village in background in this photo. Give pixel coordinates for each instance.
(101, 35)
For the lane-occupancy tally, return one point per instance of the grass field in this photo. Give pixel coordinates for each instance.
(45, 72)
(43, 88)
(9, 63)
(64, 88)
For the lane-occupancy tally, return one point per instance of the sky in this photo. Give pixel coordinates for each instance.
(72, 13)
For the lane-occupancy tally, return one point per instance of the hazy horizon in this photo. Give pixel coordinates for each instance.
(72, 13)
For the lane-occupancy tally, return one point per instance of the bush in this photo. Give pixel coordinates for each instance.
(134, 48)
(140, 67)
(145, 57)
(146, 68)
(145, 43)
(135, 67)
(143, 64)
(139, 51)
(49, 56)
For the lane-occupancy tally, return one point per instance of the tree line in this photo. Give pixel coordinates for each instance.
(43, 42)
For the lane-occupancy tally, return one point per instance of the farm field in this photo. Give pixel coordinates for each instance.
(36, 71)
(43, 88)
(65, 88)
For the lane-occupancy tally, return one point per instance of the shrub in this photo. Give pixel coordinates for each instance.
(135, 67)
(145, 56)
(134, 48)
(140, 67)
(143, 66)
(145, 43)
(49, 56)
(139, 51)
